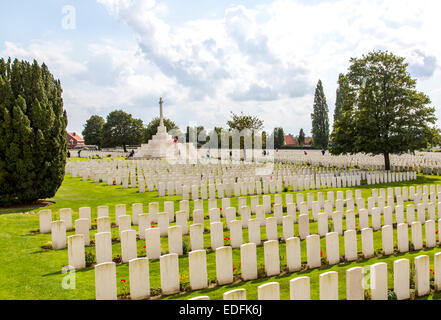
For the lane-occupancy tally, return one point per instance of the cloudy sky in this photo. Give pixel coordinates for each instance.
(207, 58)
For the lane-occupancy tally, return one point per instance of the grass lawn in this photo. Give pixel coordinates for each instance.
(29, 271)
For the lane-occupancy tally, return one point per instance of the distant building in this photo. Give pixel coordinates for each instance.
(308, 141)
(74, 140)
(290, 141)
(293, 142)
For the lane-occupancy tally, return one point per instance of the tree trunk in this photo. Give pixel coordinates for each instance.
(124, 147)
(386, 161)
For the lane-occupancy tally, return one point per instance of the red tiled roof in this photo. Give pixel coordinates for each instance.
(290, 141)
(76, 137)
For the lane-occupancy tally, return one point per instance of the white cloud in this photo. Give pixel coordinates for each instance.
(263, 60)
(55, 55)
(242, 63)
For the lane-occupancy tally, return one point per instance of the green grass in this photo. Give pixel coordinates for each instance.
(31, 272)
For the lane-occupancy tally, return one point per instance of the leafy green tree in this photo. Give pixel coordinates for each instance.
(152, 128)
(320, 121)
(382, 113)
(93, 131)
(435, 138)
(301, 138)
(33, 137)
(241, 122)
(121, 129)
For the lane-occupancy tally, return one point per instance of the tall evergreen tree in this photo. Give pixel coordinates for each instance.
(93, 131)
(340, 96)
(279, 138)
(218, 131)
(320, 120)
(32, 132)
(195, 134)
(264, 137)
(301, 138)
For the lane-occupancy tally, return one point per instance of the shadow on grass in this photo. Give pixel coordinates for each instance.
(419, 180)
(76, 271)
(27, 207)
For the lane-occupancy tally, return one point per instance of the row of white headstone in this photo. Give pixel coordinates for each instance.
(83, 224)
(105, 277)
(421, 160)
(230, 181)
(169, 265)
(356, 284)
(269, 186)
(175, 234)
(401, 194)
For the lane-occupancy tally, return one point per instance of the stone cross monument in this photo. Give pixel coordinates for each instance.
(162, 145)
(161, 122)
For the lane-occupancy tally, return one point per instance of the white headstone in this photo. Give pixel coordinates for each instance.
(401, 279)
(300, 288)
(224, 265)
(105, 281)
(355, 283)
(313, 251)
(152, 243)
(103, 247)
(329, 286)
(198, 269)
(379, 281)
(272, 258)
(169, 269)
(269, 291)
(422, 276)
(248, 259)
(139, 279)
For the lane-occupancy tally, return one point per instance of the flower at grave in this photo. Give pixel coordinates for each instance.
(272, 203)
(234, 268)
(321, 253)
(220, 209)
(436, 231)
(123, 280)
(145, 246)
